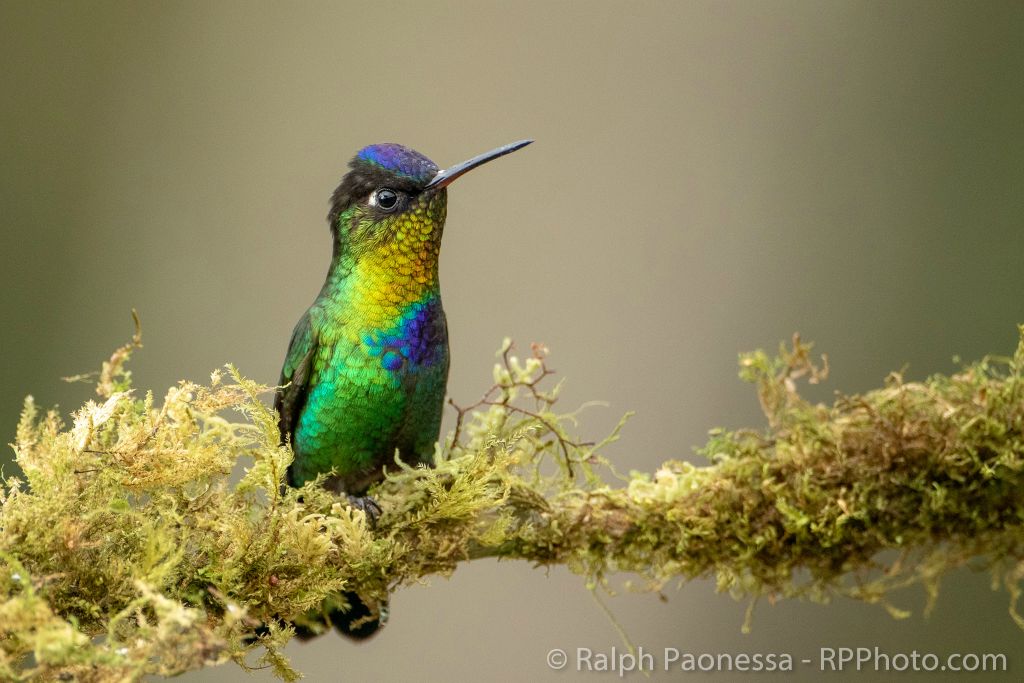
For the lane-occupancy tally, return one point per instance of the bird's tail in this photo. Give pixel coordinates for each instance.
(362, 619)
(349, 613)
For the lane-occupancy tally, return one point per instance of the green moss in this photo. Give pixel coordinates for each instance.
(125, 549)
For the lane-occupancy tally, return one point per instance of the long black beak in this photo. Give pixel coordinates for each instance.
(445, 177)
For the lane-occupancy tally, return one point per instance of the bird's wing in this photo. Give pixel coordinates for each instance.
(291, 396)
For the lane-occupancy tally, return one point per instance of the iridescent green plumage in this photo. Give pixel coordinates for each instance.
(372, 353)
(367, 366)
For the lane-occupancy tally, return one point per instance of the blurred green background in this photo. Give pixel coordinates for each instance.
(708, 177)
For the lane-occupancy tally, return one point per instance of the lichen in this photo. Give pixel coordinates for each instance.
(128, 548)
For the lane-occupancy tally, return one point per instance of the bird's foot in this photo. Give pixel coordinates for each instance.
(368, 506)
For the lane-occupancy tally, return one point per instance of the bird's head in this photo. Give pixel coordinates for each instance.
(393, 194)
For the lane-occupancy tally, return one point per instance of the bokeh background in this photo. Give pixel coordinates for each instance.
(708, 178)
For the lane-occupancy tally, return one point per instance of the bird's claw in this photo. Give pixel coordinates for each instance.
(368, 506)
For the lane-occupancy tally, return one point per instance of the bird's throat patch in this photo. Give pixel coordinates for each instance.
(416, 337)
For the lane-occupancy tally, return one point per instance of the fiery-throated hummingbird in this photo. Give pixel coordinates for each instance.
(367, 366)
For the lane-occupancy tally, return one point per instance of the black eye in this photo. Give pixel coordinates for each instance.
(385, 198)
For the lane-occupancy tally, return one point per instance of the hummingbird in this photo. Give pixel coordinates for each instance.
(367, 367)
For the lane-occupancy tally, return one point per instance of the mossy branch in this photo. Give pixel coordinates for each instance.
(126, 549)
